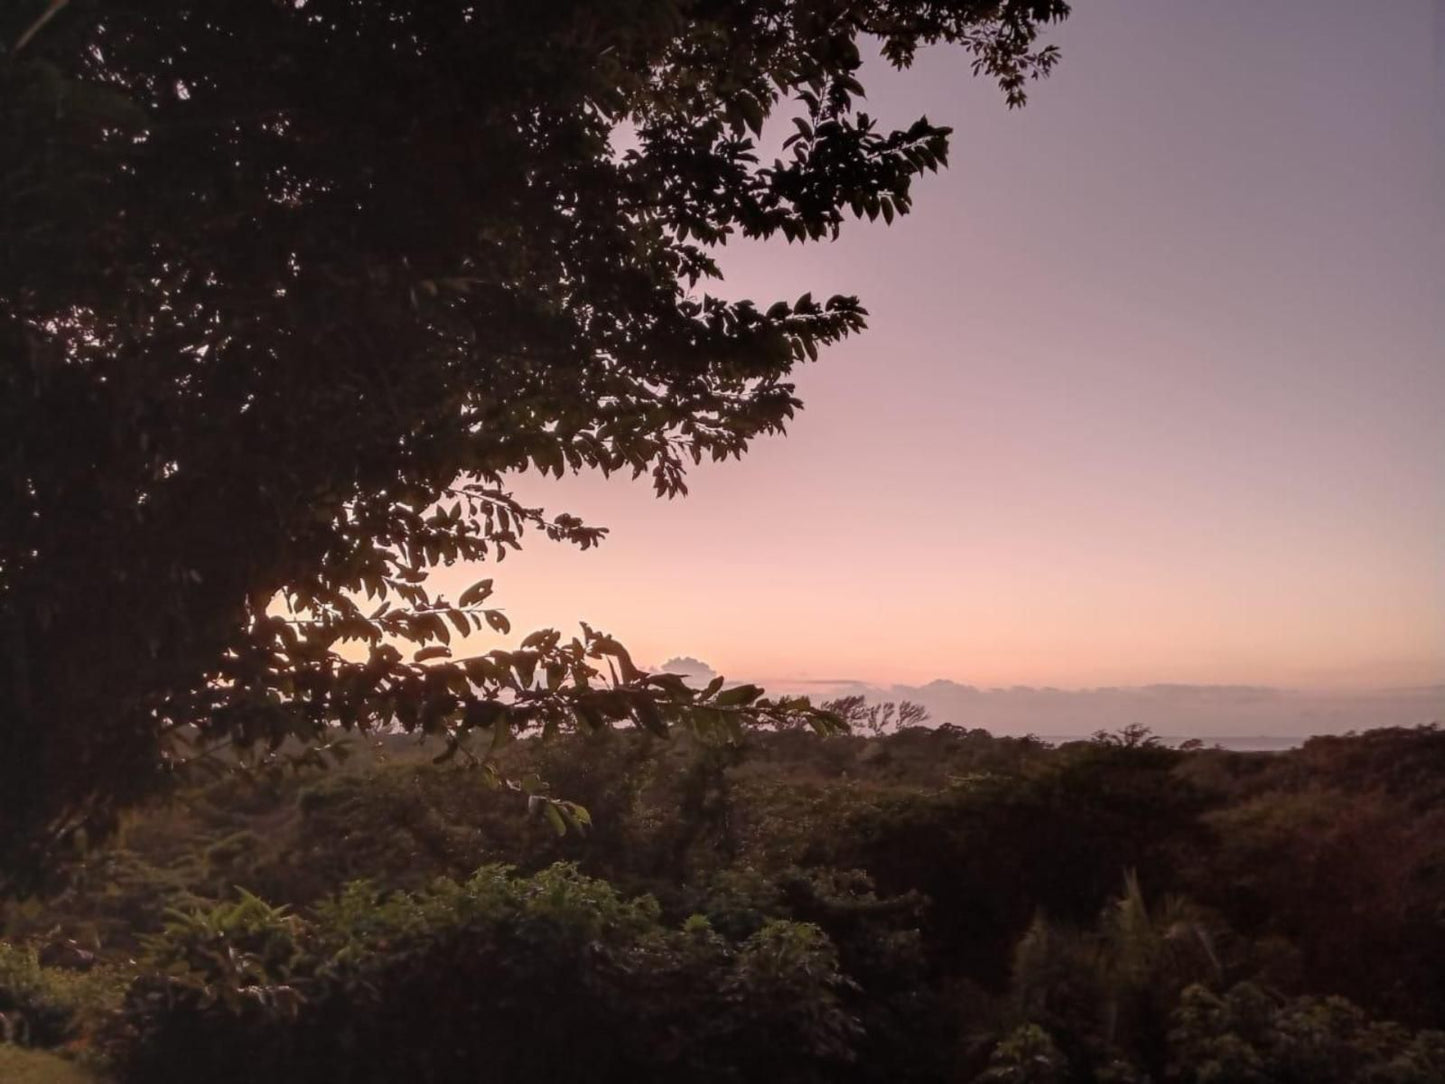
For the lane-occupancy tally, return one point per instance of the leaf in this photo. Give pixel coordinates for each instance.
(648, 717)
(554, 817)
(739, 696)
(480, 670)
(578, 813)
(538, 638)
(436, 651)
(752, 112)
(525, 663)
(673, 684)
(590, 718)
(605, 645)
(498, 621)
(483, 713)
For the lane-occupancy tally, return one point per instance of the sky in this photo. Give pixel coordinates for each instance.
(1152, 393)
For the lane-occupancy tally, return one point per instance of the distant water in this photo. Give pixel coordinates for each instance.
(1264, 743)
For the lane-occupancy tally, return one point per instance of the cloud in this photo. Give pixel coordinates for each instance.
(1171, 710)
(695, 670)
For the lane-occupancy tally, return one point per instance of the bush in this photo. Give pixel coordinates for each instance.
(550, 977)
(46, 1007)
(1026, 1055)
(1248, 1037)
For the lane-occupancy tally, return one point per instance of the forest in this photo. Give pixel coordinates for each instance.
(294, 296)
(921, 904)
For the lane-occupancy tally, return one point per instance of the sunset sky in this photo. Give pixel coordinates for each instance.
(1153, 390)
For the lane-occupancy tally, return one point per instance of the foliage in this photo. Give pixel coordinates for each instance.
(1300, 860)
(289, 293)
(553, 977)
(1246, 1036)
(900, 905)
(234, 951)
(1026, 1056)
(33, 1012)
(1106, 994)
(46, 1007)
(992, 848)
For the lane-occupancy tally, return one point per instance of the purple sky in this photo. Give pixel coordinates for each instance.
(1153, 390)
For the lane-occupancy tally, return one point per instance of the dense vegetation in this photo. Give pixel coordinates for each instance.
(289, 294)
(921, 905)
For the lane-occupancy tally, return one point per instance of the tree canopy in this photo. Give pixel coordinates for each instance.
(290, 290)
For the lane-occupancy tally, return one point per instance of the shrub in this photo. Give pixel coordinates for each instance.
(45, 1007)
(552, 977)
(1246, 1036)
(1026, 1056)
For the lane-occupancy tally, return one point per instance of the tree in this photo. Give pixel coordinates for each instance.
(877, 719)
(289, 290)
(1110, 990)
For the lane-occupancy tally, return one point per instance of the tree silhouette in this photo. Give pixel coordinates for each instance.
(289, 290)
(878, 718)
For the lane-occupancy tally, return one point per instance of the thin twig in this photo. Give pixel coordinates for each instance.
(45, 16)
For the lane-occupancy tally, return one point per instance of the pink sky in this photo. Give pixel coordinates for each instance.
(1153, 390)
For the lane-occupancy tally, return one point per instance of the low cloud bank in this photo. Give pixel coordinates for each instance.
(1205, 711)
(1172, 711)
